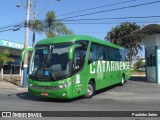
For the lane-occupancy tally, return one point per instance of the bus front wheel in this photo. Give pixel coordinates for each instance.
(90, 90)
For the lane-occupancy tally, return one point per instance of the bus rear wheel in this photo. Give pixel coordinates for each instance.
(122, 81)
(90, 90)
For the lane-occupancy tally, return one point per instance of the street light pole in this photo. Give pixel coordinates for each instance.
(34, 19)
(25, 64)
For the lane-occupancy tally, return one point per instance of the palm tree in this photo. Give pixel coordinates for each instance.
(50, 26)
(132, 44)
(4, 58)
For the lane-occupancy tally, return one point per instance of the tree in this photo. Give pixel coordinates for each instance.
(132, 43)
(50, 26)
(139, 63)
(4, 58)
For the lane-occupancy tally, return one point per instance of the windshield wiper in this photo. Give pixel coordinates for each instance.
(44, 73)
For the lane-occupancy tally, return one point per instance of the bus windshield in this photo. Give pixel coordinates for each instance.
(50, 62)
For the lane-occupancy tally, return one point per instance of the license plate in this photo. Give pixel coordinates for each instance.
(44, 94)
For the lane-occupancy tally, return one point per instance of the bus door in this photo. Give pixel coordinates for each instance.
(78, 69)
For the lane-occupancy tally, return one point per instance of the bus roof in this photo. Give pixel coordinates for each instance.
(72, 38)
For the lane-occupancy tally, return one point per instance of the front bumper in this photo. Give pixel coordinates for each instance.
(64, 93)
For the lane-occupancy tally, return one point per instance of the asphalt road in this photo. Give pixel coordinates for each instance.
(135, 95)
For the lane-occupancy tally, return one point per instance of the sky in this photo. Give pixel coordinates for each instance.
(65, 9)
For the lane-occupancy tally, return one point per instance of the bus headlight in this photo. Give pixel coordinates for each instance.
(51, 87)
(30, 85)
(65, 85)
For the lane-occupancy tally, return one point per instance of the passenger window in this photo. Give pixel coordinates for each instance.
(106, 52)
(94, 53)
(111, 54)
(117, 55)
(97, 52)
(101, 54)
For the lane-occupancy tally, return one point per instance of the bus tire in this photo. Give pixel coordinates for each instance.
(122, 80)
(90, 90)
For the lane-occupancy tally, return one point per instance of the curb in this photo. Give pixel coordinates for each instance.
(138, 75)
(9, 85)
(22, 88)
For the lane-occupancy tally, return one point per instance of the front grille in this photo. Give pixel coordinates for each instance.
(44, 87)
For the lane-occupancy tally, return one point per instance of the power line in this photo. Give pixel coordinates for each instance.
(6, 27)
(103, 22)
(14, 27)
(112, 20)
(156, 21)
(10, 25)
(100, 12)
(100, 19)
(118, 18)
(96, 21)
(45, 8)
(5, 30)
(23, 5)
(120, 8)
(96, 7)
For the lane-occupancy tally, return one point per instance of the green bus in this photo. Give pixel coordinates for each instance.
(65, 67)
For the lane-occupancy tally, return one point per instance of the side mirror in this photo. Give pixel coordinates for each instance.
(24, 52)
(71, 50)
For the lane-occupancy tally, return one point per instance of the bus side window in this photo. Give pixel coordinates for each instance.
(101, 53)
(117, 55)
(123, 55)
(106, 52)
(96, 52)
(112, 54)
(94, 55)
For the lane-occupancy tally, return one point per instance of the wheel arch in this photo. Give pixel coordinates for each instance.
(94, 81)
(123, 75)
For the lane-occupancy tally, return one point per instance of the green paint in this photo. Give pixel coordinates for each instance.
(24, 51)
(105, 73)
(72, 38)
(71, 51)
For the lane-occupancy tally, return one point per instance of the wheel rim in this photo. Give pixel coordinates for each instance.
(122, 80)
(90, 90)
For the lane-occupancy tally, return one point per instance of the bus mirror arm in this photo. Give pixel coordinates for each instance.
(24, 52)
(90, 61)
(71, 50)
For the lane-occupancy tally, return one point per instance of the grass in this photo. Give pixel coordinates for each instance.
(137, 72)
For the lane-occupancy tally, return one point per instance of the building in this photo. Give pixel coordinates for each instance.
(151, 34)
(15, 49)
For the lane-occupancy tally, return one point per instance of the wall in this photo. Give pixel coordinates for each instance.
(151, 74)
(152, 40)
(150, 43)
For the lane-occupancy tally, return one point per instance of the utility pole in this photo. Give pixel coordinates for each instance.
(34, 19)
(25, 64)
